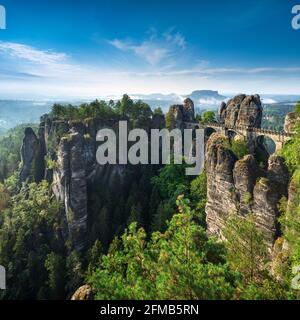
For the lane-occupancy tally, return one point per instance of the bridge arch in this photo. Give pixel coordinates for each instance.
(252, 135)
(208, 131)
(267, 142)
(232, 134)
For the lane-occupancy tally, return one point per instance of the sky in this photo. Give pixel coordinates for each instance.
(87, 49)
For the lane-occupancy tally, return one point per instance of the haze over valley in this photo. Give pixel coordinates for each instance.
(14, 112)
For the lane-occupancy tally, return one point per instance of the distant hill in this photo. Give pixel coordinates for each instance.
(15, 112)
(203, 99)
(206, 94)
(206, 99)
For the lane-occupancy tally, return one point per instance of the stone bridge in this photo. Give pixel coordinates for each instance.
(250, 134)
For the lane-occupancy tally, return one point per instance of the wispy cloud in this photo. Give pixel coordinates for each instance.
(30, 60)
(31, 54)
(156, 48)
(8, 74)
(27, 70)
(206, 72)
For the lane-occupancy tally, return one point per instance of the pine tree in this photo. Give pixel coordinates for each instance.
(55, 266)
(246, 247)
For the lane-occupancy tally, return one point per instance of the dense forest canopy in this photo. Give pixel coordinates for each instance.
(164, 252)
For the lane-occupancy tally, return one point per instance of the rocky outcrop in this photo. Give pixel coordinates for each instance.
(220, 184)
(70, 185)
(242, 110)
(31, 157)
(183, 113)
(290, 122)
(83, 293)
(240, 187)
(267, 193)
(188, 110)
(245, 173)
(74, 173)
(75, 169)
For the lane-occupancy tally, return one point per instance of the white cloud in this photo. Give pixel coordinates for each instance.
(26, 70)
(155, 49)
(26, 59)
(31, 54)
(176, 38)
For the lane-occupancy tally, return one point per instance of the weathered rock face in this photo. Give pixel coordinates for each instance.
(76, 168)
(183, 113)
(83, 293)
(70, 185)
(290, 122)
(30, 156)
(74, 173)
(240, 187)
(220, 184)
(245, 174)
(266, 195)
(188, 110)
(242, 110)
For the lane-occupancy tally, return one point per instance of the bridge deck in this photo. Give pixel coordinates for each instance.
(250, 129)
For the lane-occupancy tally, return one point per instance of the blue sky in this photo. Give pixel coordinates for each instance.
(64, 48)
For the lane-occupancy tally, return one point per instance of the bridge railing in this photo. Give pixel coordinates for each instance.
(250, 128)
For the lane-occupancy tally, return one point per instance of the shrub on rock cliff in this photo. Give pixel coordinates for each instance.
(208, 117)
(239, 148)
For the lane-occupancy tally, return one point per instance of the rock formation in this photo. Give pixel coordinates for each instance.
(31, 153)
(188, 110)
(183, 113)
(74, 171)
(70, 185)
(241, 187)
(290, 122)
(242, 110)
(220, 184)
(83, 293)
(234, 186)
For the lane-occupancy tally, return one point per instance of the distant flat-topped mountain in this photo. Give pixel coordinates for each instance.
(206, 94)
(206, 99)
(203, 99)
